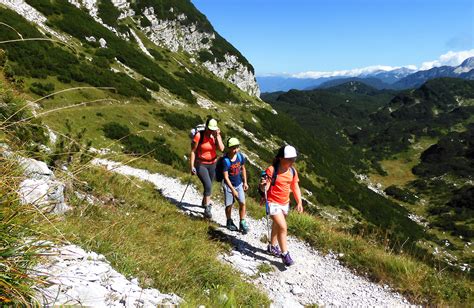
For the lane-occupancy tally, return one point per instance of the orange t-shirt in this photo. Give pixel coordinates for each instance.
(206, 152)
(280, 192)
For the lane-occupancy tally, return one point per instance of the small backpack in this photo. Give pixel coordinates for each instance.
(198, 129)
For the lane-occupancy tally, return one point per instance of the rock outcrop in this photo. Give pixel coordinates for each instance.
(175, 35)
(81, 278)
(41, 188)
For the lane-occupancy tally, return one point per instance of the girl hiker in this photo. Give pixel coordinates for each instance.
(281, 178)
(234, 184)
(203, 159)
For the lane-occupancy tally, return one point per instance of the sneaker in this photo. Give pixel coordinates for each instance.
(207, 211)
(230, 225)
(244, 227)
(287, 260)
(274, 250)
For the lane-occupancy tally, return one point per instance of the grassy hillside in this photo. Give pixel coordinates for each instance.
(417, 144)
(156, 124)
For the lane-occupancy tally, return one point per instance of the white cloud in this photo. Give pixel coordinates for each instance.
(451, 58)
(346, 73)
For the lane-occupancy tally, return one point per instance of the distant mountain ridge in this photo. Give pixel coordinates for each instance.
(372, 82)
(398, 79)
(417, 79)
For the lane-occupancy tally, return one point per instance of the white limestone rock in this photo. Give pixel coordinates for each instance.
(235, 72)
(103, 43)
(81, 278)
(35, 169)
(40, 188)
(48, 195)
(176, 36)
(34, 16)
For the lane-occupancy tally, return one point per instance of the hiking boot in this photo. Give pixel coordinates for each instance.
(244, 227)
(274, 250)
(230, 225)
(207, 211)
(287, 260)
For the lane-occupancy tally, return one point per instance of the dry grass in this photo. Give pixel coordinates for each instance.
(20, 233)
(145, 236)
(421, 283)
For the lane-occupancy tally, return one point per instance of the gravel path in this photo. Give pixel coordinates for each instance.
(313, 279)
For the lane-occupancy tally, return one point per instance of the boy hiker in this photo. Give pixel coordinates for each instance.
(234, 184)
(203, 160)
(281, 179)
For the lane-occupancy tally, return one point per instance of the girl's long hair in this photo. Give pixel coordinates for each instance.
(276, 160)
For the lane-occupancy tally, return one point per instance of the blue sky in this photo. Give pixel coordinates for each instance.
(295, 36)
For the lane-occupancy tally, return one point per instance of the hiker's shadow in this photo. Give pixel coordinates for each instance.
(241, 246)
(244, 247)
(185, 206)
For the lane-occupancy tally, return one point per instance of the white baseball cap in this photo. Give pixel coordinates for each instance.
(289, 152)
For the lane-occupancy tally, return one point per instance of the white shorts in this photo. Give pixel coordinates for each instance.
(275, 208)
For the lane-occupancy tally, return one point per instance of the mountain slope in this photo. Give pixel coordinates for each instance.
(110, 83)
(144, 78)
(415, 144)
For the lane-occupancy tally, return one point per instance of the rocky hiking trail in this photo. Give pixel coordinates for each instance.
(313, 279)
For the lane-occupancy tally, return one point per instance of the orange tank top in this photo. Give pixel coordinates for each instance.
(280, 192)
(206, 151)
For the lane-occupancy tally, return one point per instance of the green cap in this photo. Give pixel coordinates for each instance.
(232, 142)
(212, 125)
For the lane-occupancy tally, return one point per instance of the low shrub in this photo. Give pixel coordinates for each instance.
(150, 85)
(42, 89)
(114, 130)
(180, 121)
(139, 145)
(401, 194)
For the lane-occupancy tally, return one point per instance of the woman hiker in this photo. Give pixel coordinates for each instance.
(234, 184)
(281, 178)
(203, 160)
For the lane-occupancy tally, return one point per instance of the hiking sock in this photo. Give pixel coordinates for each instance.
(286, 258)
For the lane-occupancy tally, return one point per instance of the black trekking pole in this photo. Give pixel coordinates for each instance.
(189, 182)
(267, 208)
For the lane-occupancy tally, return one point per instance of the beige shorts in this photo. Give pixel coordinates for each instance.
(275, 208)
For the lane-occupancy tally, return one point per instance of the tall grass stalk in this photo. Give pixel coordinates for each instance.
(49, 95)
(19, 236)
